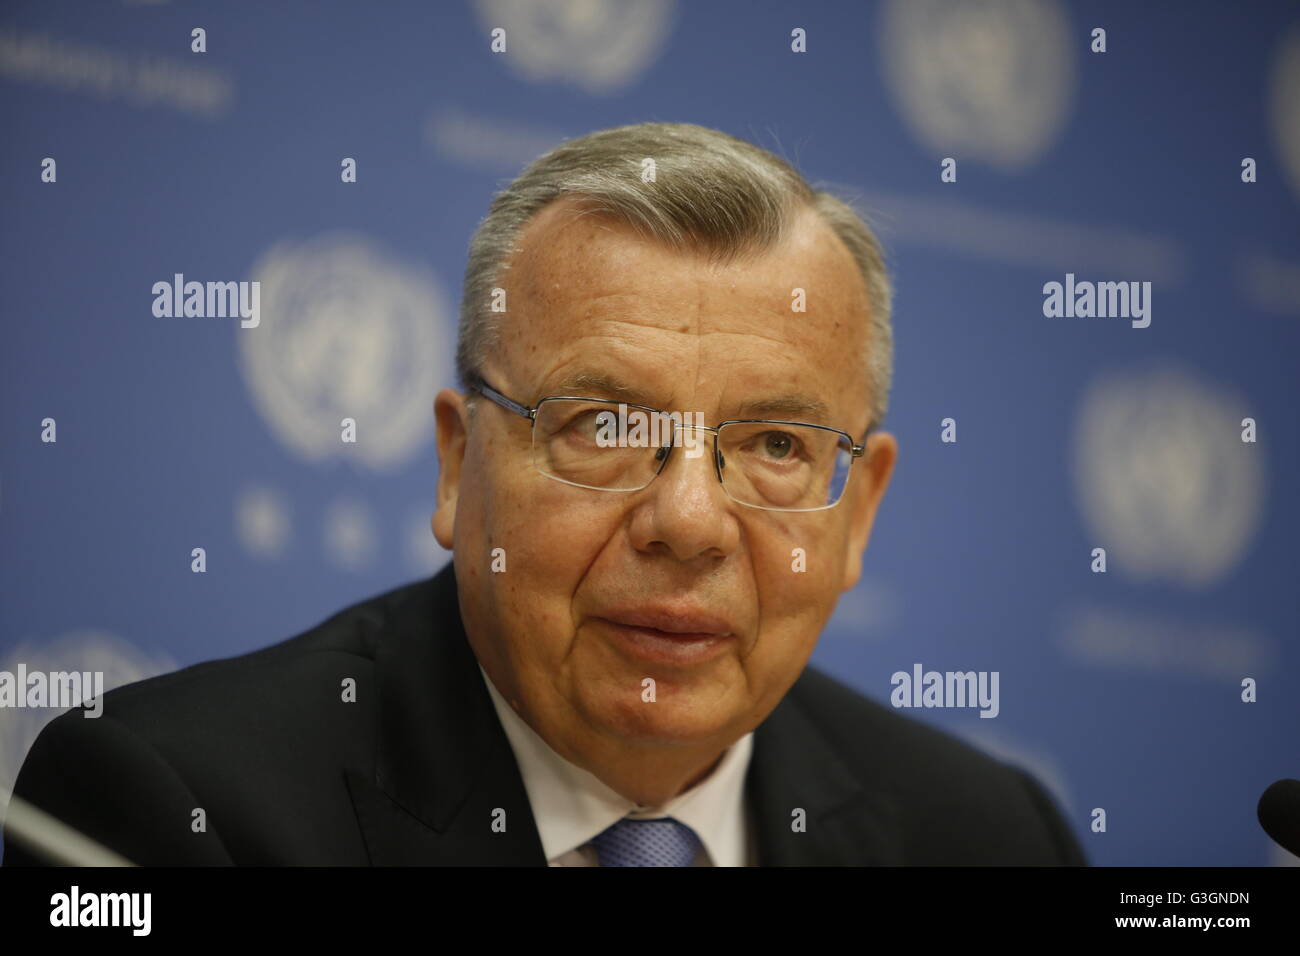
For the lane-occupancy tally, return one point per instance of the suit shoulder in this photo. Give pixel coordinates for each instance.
(273, 681)
(259, 741)
(954, 803)
(875, 739)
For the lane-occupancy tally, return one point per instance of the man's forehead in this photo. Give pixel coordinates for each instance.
(588, 297)
(568, 252)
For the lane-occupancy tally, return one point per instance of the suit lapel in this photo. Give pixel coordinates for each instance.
(444, 770)
(793, 768)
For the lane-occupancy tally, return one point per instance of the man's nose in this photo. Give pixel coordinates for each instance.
(685, 510)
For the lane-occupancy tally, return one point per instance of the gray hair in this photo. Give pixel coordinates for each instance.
(713, 193)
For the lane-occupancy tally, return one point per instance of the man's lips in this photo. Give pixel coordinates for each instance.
(669, 637)
(684, 623)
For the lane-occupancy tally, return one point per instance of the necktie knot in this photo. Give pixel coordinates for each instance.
(660, 842)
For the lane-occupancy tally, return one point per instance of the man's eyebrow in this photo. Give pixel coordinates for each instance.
(798, 407)
(600, 383)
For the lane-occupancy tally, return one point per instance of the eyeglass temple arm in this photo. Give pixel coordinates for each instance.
(490, 393)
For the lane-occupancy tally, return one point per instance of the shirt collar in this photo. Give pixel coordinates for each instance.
(571, 805)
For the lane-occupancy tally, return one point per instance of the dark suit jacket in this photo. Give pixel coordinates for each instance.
(286, 772)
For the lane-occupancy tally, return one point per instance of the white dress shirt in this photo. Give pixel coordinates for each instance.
(571, 806)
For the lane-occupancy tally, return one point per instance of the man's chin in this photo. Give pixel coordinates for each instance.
(672, 716)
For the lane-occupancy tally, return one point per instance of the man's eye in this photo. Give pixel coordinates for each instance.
(778, 446)
(592, 422)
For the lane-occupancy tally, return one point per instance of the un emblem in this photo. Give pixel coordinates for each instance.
(346, 332)
(1285, 106)
(598, 45)
(989, 79)
(1165, 482)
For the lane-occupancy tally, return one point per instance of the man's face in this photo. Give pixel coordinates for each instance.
(586, 297)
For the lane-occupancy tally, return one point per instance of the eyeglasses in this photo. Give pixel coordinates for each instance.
(762, 463)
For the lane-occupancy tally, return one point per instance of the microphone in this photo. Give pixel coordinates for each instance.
(1279, 814)
(53, 840)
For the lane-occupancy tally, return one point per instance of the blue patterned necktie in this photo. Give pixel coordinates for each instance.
(660, 842)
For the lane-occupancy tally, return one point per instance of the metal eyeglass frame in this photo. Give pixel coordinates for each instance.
(856, 449)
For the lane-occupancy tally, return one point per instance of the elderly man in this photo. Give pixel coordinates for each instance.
(613, 671)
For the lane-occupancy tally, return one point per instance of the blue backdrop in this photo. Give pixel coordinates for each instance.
(1122, 690)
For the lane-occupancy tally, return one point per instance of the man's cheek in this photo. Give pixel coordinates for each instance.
(797, 564)
(796, 592)
(505, 511)
(543, 554)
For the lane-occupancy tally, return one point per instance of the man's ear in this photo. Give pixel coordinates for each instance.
(877, 466)
(452, 416)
